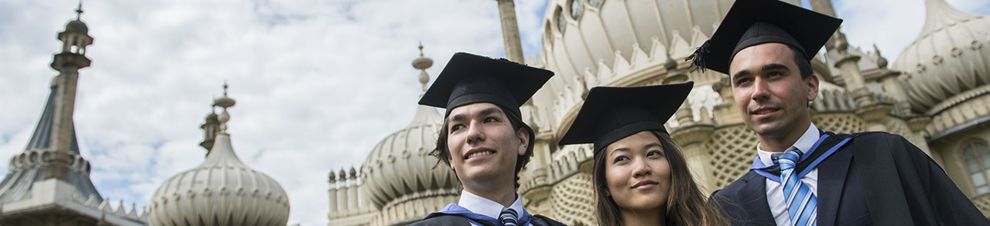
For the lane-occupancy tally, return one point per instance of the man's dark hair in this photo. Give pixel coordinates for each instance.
(803, 64)
(443, 153)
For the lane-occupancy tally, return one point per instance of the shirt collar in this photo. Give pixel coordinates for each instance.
(803, 143)
(483, 206)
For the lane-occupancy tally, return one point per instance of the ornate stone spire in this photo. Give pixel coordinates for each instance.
(881, 61)
(224, 102)
(53, 151)
(211, 126)
(424, 115)
(422, 63)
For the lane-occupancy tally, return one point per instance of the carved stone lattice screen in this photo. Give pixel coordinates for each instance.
(732, 150)
(574, 200)
(839, 122)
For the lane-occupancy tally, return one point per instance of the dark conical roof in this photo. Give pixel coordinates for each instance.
(18, 182)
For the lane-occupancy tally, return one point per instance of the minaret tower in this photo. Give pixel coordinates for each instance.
(48, 183)
(510, 31)
(211, 126)
(74, 39)
(53, 152)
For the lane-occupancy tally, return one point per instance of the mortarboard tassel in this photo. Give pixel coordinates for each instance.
(698, 57)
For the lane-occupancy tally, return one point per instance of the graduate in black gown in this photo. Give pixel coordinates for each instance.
(640, 176)
(484, 139)
(803, 175)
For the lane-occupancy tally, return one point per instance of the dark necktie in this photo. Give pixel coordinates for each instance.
(508, 217)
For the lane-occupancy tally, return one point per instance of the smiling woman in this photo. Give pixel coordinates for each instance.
(637, 166)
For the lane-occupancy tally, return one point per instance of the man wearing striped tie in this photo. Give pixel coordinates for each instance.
(802, 175)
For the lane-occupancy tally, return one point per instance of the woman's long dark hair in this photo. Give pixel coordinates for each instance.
(686, 205)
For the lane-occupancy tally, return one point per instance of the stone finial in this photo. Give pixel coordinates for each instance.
(120, 208)
(422, 63)
(881, 61)
(79, 11)
(224, 102)
(839, 42)
(332, 177)
(353, 174)
(133, 212)
(684, 115)
(105, 205)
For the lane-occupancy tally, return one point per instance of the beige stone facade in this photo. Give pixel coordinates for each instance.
(937, 95)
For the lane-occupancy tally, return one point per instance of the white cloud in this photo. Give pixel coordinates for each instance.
(318, 82)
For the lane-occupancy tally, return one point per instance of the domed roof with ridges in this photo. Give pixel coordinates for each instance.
(220, 191)
(400, 164)
(615, 29)
(76, 26)
(949, 56)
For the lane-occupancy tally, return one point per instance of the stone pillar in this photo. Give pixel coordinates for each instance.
(823, 7)
(691, 136)
(342, 194)
(352, 189)
(332, 194)
(510, 31)
(871, 110)
(64, 108)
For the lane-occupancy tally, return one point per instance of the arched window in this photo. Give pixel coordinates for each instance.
(561, 20)
(576, 9)
(976, 155)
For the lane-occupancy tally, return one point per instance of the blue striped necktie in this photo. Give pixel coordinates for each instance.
(508, 217)
(802, 205)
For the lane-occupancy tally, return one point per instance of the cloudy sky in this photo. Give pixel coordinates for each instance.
(318, 82)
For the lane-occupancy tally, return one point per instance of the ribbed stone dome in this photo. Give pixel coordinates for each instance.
(220, 191)
(949, 57)
(76, 26)
(582, 35)
(400, 164)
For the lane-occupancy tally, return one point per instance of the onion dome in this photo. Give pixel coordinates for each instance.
(399, 169)
(400, 164)
(947, 58)
(220, 191)
(582, 35)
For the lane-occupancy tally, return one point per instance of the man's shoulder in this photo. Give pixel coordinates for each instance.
(435, 219)
(540, 220)
(737, 185)
(880, 140)
(875, 136)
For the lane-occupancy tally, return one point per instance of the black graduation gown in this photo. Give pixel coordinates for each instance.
(876, 179)
(440, 219)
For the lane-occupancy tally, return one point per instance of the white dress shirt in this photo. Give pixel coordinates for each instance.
(775, 191)
(483, 206)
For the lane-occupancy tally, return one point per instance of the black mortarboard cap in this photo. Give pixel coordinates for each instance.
(470, 78)
(612, 113)
(754, 22)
